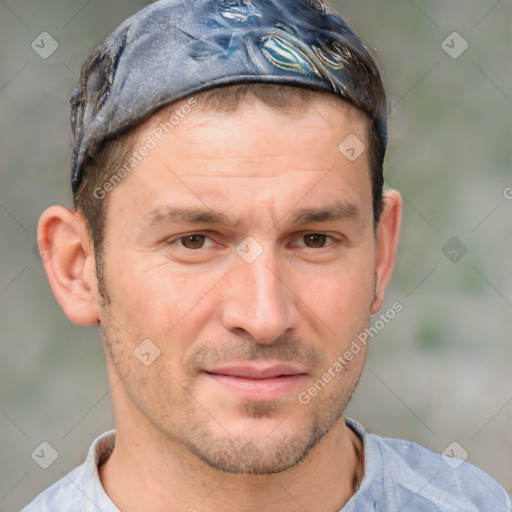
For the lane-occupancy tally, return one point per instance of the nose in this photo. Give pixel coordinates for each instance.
(259, 301)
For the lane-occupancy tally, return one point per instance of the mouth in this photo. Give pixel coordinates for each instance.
(257, 382)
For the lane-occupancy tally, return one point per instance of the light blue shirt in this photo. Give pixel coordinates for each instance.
(399, 476)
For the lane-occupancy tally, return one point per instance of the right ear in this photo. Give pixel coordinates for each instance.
(68, 256)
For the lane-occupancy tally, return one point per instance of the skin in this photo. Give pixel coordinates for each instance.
(302, 301)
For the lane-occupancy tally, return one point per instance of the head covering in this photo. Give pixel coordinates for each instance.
(174, 48)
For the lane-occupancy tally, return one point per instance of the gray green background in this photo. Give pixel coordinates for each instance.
(438, 373)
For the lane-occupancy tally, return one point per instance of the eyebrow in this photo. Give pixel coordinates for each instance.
(336, 211)
(169, 214)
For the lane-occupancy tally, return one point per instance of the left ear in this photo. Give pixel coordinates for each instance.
(388, 233)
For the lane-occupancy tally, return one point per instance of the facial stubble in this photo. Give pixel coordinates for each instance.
(273, 452)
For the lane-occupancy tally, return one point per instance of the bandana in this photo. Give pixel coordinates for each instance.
(175, 48)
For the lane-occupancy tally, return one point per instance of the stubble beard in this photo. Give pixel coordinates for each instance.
(268, 454)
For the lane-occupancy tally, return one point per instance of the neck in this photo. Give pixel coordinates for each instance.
(147, 471)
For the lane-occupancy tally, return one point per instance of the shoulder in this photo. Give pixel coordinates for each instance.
(62, 493)
(429, 478)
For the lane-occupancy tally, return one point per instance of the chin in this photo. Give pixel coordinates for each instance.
(254, 446)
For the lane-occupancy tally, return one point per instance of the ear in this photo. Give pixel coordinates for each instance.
(388, 233)
(68, 257)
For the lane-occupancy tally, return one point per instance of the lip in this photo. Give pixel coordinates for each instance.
(252, 371)
(257, 383)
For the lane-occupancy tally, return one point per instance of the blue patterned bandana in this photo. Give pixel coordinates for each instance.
(174, 48)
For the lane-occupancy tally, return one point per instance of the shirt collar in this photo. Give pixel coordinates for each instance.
(96, 499)
(372, 483)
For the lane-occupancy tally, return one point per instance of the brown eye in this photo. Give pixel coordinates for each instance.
(315, 240)
(193, 241)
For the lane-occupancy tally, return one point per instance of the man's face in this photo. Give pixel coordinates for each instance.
(250, 301)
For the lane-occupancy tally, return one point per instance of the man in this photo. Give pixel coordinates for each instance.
(232, 239)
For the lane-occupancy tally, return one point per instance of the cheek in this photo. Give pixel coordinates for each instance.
(342, 292)
(160, 303)
(338, 308)
(162, 306)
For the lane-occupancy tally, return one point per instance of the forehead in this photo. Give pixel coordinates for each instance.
(240, 99)
(269, 113)
(249, 155)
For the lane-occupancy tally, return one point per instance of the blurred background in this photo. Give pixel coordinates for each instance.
(438, 373)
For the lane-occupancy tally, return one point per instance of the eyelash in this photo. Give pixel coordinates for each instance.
(180, 238)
